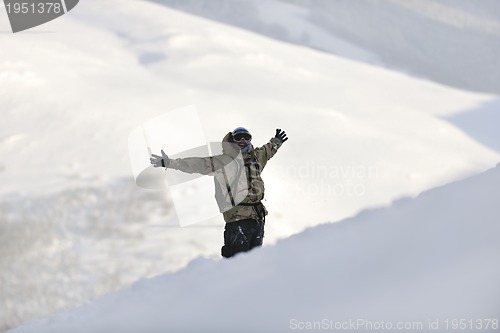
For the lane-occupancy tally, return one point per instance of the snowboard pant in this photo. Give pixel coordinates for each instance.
(242, 236)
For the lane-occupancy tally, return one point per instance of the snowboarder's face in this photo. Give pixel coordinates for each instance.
(242, 143)
(242, 139)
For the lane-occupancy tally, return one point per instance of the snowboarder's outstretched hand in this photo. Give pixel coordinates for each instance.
(160, 161)
(281, 135)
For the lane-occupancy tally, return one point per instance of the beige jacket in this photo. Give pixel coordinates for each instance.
(237, 177)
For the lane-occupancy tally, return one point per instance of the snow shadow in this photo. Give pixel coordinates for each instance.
(455, 43)
(148, 58)
(482, 124)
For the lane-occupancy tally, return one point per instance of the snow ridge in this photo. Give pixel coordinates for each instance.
(429, 258)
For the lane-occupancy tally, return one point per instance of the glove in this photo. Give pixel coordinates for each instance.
(160, 161)
(281, 135)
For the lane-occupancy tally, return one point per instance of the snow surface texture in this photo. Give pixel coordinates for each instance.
(424, 259)
(74, 226)
(455, 42)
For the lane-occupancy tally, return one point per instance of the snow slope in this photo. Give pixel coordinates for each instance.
(454, 42)
(370, 117)
(72, 224)
(426, 259)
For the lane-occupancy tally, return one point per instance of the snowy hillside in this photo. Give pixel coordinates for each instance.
(419, 261)
(454, 42)
(73, 225)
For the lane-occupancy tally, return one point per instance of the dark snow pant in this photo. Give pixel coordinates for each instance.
(242, 236)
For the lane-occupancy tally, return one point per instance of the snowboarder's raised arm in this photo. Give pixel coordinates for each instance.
(270, 148)
(202, 165)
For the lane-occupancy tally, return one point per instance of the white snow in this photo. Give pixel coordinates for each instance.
(454, 42)
(422, 260)
(73, 225)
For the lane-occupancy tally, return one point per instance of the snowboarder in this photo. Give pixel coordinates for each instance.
(239, 188)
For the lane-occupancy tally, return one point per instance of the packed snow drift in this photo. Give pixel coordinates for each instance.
(421, 261)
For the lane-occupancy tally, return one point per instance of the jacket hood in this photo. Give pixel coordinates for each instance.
(229, 147)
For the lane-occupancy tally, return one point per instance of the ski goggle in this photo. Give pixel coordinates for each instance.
(241, 136)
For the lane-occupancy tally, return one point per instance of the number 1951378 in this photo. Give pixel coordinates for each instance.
(31, 8)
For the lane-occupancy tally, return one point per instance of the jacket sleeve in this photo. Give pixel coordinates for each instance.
(267, 151)
(202, 165)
